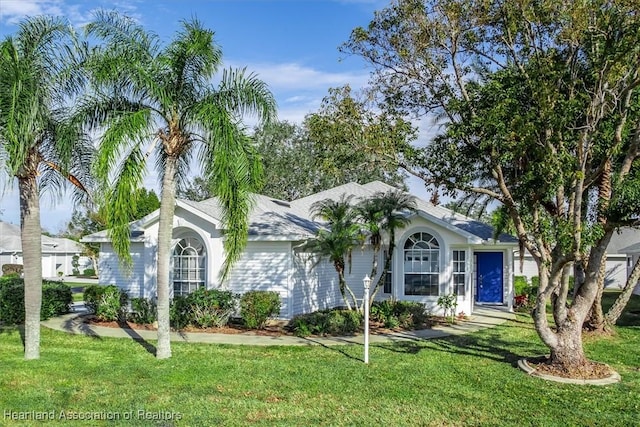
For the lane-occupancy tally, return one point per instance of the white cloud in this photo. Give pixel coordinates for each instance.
(12, 11)
(78, 13)
(292, 76)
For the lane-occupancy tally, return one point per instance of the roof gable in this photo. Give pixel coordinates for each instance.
(273, 219)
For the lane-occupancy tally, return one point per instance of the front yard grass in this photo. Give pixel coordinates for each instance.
(458, 381)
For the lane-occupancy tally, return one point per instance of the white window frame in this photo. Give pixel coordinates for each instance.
(188, 266)
(421, 256)
(459, 272)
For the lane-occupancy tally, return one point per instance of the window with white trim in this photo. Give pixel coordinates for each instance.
(188, 266)
(422, 265)
(459, 272)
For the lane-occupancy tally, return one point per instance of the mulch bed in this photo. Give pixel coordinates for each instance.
(274, 329)
(589, 371)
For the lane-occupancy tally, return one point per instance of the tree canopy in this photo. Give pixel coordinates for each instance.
(539, 106)
(326, 150)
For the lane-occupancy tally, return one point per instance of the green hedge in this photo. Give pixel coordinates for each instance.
(326, 322)
(56, 300)
(258, 306)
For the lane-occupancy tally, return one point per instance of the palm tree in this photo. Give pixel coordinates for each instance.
(38, 145)
(338, 240)
(146, 94)
(395, 207)
(370, 215)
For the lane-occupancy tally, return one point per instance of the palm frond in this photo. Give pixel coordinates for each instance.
(245, 94)
(126, 130)
(121, 203)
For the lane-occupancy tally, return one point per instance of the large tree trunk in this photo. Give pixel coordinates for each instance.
(618, 306)
(31, 235)
(568, 353)
(565, 340)
(165, 235)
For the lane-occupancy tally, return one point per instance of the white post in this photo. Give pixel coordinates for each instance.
(367, 282)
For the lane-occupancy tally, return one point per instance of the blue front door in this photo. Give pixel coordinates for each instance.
(489, 279)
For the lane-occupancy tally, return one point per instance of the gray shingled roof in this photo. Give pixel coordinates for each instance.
(10, 241)
(442, 215)
(277, 219)
(625, 241)
(269, 217)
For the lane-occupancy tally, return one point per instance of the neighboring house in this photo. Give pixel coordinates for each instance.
(625, 245)
(438, 253)
(57, 253)
(623, 251)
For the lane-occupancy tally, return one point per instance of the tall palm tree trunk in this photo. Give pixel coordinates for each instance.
(31, 235)
(165, 234)
(595, 320)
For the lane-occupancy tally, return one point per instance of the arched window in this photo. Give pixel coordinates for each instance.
(421, 265)
(188, 266)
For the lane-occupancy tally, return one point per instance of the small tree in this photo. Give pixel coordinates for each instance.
(339, 238)
(381, 215)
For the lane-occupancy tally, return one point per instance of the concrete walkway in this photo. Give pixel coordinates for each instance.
(483, 317)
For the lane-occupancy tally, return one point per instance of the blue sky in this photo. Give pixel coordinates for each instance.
(291, 44)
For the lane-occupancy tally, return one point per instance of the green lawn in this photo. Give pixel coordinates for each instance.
(459, 381)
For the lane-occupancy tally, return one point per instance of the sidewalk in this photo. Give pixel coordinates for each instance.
(483, 317)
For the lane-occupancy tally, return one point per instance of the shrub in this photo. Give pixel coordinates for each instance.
(203, 308)
(412, 314)
(211, 307)
(535, 282)
(89, 272)
(326, 322)
(108, 303)
(91, 296)
(112, 304)
(405, 314)
(520, 285)
(448, 303)
(257, 306)
(12, 302)
(75, 264)
(56, 299)
(9, 269)
(179, 313)
(144, 311)
(10, 279)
